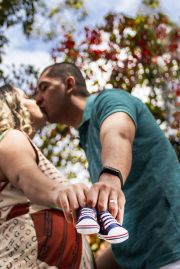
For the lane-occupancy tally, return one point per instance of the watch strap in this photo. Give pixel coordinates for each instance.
(112, 171)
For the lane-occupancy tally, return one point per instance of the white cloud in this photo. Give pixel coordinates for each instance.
(172, 9)
(20, 50)
(128, 7)
(97, 9)
(38, 58)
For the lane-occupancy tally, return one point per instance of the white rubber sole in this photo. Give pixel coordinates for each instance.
(82, 229)
(114, 239)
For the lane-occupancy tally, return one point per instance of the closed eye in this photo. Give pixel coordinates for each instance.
(42, 87)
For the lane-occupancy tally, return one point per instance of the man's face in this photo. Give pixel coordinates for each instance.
(51, 98)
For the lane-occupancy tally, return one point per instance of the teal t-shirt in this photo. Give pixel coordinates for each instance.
(152, 189)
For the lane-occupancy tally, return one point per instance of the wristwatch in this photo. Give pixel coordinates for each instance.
(112, 171)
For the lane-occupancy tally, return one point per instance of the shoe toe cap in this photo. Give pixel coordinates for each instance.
(120, 231)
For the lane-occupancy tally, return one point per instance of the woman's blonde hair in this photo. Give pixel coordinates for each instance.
(13, 114)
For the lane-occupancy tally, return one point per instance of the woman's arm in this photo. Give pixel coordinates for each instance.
(18, 163)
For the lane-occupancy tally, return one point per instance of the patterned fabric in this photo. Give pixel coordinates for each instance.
(33, 236)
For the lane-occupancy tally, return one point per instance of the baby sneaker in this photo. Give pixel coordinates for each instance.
(87, 221)
(110, 229)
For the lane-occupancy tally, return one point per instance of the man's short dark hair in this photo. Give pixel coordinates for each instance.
(64, 69)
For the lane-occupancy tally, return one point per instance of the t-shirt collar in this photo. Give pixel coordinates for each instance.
(88, 108)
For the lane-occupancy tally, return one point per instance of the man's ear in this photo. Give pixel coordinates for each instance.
(70, 84)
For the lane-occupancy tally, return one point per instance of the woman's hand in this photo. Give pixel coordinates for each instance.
(69, 198)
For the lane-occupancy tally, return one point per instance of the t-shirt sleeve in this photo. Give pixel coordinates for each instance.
(112, 101)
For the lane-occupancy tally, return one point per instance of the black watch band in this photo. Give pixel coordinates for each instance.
(112, 171)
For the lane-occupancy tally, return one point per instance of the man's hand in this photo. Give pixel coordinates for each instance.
(69, 198)
(107, 195)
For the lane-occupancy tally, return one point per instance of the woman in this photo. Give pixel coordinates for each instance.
(33, 229)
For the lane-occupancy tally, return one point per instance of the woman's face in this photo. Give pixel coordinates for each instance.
(38, 119)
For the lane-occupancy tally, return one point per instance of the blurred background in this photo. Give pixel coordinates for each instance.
(128, 44)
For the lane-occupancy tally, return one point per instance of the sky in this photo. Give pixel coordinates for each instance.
(37, 53)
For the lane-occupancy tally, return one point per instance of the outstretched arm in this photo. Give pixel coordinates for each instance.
(116, 135)
(106, 260)
(18, 164)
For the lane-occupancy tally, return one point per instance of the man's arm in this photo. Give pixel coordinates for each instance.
(106, 260)
(116, 135)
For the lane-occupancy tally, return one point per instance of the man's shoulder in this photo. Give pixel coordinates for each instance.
(115, 92)
(111, 101)
(116, 95)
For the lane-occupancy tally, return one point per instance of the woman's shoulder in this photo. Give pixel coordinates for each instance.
(13, 138)
(15, 147)
(10, 133)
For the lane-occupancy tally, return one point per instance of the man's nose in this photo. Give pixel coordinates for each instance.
(39, 99)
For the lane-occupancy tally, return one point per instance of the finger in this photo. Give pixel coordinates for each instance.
(113, 204)
(81, 194)
(73, 201)
(81, 197)
(64, 204)
(92, 195)
(119, 217)
(103, 198)
(121, 204)
(86, 191)
(74, 216)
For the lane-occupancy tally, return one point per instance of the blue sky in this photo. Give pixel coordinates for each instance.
(33, 51)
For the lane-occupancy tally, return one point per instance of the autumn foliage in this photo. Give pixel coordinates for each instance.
(131, 51)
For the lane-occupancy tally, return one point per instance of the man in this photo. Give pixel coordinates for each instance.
(128, 154)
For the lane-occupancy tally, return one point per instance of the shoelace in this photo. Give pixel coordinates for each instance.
(87, 212)
(106, 220)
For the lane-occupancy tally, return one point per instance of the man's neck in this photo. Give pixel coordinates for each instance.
(77, 110)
